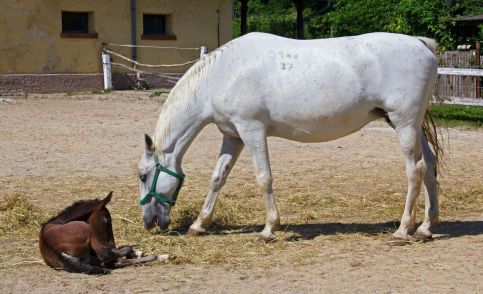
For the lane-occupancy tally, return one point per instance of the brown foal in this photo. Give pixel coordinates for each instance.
(80, 239)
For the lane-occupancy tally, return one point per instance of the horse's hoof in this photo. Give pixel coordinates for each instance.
(192, 232)
(398, 241)
(422, 237)
(267, 239)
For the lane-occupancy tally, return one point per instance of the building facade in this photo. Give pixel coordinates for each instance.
(61, 40)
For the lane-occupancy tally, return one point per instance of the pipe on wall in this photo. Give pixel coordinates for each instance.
(134, 54)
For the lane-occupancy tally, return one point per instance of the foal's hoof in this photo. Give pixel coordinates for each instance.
(398, 241)
(192, 232)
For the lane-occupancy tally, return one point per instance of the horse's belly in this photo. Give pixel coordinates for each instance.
(72, 238)
(320, 131)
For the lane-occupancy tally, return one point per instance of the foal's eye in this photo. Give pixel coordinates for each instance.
(143, 178)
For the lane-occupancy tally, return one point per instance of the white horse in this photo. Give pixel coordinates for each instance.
(262, 85)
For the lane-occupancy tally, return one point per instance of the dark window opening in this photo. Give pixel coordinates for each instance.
(75, 22)
(154, 24)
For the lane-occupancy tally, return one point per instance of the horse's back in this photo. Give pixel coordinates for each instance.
(366, 62)
(318, 90)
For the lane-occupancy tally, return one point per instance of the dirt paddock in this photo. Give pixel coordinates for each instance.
(339, 203)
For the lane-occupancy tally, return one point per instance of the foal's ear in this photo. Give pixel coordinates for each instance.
(149, 143)
(107, 199)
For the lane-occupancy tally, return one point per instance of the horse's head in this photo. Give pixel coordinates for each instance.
(158, 186)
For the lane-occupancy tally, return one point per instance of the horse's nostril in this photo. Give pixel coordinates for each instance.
(149, 225)
(163, 226)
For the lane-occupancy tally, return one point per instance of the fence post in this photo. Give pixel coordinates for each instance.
(478, 64)
(106, 68)
(203, 51)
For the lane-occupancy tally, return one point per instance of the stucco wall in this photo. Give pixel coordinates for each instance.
(31, 42)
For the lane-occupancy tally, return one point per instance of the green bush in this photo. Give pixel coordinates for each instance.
(458, 114)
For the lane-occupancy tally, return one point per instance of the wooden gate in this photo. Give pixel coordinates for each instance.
(459, 86)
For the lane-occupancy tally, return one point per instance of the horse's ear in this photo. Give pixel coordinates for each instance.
(107, 199)
(149, 143)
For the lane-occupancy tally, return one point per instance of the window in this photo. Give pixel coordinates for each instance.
(77, 25)
(154, 24)
(156, 27)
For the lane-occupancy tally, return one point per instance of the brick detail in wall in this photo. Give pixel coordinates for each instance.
(13, 84)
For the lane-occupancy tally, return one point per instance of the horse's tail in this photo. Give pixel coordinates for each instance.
(431, 134)
(429, 128)
(430, 43)
(61, 260)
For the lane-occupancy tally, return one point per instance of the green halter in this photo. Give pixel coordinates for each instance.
(160, 197)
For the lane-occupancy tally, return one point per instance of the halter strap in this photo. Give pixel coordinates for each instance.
(158, 196)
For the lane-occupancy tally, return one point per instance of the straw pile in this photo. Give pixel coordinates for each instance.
(307, 219)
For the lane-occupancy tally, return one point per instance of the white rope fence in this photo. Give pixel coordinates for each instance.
(149, 65)
(146, 46)
(107, 62)
(171, 79)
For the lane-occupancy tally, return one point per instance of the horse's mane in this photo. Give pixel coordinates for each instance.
(183, 95)
(78, 211)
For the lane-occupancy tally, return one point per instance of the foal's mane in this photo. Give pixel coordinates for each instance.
(79, 210)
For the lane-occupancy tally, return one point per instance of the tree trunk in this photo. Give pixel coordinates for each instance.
(243, 17)
(299, 6)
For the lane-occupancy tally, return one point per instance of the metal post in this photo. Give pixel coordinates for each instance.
(106, 68)
(203, 51)
(134, 53)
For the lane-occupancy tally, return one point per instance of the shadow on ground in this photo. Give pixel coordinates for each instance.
(450, 229)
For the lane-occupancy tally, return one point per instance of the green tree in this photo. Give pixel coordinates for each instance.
(323, 18)
(424, 18)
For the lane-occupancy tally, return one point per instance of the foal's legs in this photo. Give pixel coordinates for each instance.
(431, 193)
(256, 141)
(410, 141)
(230, 150)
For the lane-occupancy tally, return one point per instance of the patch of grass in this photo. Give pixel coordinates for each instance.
(457, 115)
(160, 92)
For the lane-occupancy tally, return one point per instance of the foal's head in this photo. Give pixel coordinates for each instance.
(101, 223)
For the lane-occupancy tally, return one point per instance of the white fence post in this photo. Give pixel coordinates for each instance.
(203, 51)
(106, 67)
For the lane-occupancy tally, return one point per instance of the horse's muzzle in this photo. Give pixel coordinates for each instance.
(163, 225)
(148, 225)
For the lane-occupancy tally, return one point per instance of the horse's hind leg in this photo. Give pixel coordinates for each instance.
(410, 141)
(230, 150)
(431, 213)
(77, 265)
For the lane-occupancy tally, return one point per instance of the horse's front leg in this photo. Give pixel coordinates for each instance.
(230, 150)
(256, 141)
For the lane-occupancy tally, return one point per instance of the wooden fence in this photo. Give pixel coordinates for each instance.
(459, 86)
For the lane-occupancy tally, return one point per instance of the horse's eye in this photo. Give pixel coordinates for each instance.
(143, 178)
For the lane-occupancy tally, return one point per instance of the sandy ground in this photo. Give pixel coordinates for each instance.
(96, 141)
